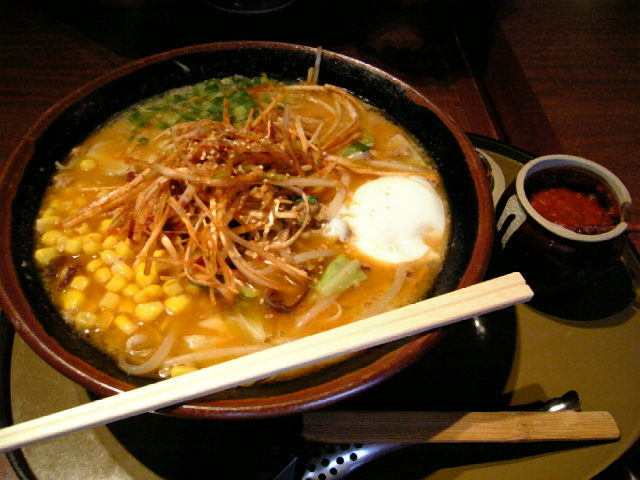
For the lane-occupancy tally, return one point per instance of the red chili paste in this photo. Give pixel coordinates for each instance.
(572, 199)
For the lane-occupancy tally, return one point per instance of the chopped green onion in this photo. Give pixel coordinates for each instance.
(198, 90)
(135, 116)
(298, 198)
(215, 108)
(249, 291)
(275, 176)
(199, 285)
(168, 119)
(341, 274)
(212, 87)
(189, 116)
(367, 140)
(240, 113)
(203, 100)
(355, 148)
(246, 168)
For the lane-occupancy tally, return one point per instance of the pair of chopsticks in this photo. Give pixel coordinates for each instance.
(413, 319)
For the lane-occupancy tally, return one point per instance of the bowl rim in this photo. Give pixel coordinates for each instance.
(18, 310)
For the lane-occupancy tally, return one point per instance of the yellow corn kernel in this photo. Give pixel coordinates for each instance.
(90, 307)
(146, 280)
(126, 306)
(94, 265)
(102, 275)
(117, 283)
(71, 299)
(49, 211)
(50, 237)
(148, 312)
(91, 248)
(104, 319)
(110, 301)
(131, 289)
(87, 164)
(86, 320)
(159, 253)
(61, 243)
(73, 246)
(110, 241)
(181, 370)
(47, 222)
(79, 282)
(121, 268)
(109, 257)
(123, 249)
(139, 267)
(44, 255)
(83, 228)
(125, 325)
(172, 287)
(92, 237)
(105, 224)
(148, 293)
(177, 304)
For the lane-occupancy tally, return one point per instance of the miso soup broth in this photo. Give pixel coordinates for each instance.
(229, 216)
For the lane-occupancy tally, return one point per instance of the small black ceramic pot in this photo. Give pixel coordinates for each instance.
(552, 258)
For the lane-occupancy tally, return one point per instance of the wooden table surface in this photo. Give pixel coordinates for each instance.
(547, 76)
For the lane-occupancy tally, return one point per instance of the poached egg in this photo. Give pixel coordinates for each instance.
(389, 218)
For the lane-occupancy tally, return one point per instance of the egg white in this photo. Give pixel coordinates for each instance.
(389, 218)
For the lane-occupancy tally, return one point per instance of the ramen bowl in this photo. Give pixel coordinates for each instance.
(28, 172)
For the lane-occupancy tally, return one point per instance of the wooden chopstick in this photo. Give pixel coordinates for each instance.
(457, 427)
(410, 320)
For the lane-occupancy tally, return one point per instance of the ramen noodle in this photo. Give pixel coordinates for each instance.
(229, 216)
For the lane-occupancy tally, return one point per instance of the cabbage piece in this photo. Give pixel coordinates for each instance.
(341, 274)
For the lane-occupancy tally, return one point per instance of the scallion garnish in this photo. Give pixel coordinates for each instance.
(202, 101)
(361, 146)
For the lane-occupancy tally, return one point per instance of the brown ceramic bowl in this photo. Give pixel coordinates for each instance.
(25, 177)
(556, 258)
